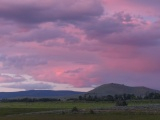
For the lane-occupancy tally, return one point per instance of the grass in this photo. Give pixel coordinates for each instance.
(12, 111)
(107, 116)
(11, 108)
(143, 102)
(16, 111)
(70, 105)
(58, 105)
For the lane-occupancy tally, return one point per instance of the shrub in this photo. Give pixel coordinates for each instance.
(91, 111)
(121, 103)
(63, 112)
(74, 109)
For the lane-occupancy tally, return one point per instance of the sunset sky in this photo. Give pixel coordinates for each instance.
(79, 44)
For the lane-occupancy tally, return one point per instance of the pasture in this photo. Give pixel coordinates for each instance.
(106, 116)
(136, 110)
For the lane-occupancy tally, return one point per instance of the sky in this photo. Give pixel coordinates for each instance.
(78, 44)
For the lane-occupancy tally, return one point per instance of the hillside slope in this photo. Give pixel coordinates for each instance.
(112, 89)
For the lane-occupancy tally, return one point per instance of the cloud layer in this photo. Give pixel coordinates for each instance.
(79, 44)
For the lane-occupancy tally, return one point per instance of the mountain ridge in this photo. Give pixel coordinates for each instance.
(38, 94)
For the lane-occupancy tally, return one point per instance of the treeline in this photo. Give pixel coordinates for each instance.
(152, 96)
(88, 97)
(108, 97)
(30, 100)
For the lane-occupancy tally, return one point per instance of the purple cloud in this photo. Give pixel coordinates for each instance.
(65, 10)
(8, 79)
(100, 29)
(74, 71)
(30, 86)
(79, 43)
(21, 61)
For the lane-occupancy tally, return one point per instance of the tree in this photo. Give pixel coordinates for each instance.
(80, 97)
(110, 98)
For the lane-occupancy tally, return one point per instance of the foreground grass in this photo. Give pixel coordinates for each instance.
(17, 111)
(107, 116)
(13, 111)
(11, 108)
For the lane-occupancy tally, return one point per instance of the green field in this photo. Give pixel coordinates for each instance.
(69, 105)
(107, 116)
(21, 107)
(48, 111)
(57, 105)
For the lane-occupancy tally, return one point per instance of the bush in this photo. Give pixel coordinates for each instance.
(121, 103)
(74, 109)
(63, 112)
(91, 111)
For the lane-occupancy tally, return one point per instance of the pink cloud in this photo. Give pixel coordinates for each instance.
(137, 7)
(82, 43)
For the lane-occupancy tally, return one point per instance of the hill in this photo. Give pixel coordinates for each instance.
(37, 94)
(113, 89)
(103, 90)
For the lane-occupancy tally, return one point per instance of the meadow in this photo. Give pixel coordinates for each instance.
(107, 116)
(62, 111)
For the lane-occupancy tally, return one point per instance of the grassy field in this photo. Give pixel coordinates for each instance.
(21, 107)
(143, 102)
(69, 105)
(57, 105)
(107, 116)
(36, 111)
